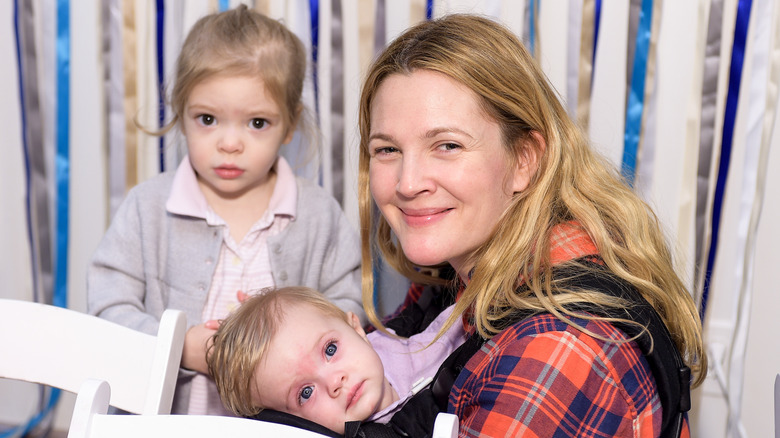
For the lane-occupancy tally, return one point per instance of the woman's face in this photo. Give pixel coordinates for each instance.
(438, 169)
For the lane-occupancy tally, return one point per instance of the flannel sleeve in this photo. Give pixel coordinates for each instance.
(543, 378)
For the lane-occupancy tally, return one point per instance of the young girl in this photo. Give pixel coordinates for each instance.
(233, 217)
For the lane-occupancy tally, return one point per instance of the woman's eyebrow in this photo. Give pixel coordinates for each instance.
(446, 129)
(428, 134)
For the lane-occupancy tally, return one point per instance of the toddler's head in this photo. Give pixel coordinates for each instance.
(294, 351)
(242, 42)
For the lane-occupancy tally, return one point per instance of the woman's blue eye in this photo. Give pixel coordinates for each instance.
(330, 350)
(258, 123)
(305, 394)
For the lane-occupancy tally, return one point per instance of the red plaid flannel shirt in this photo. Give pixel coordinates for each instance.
(542, 377)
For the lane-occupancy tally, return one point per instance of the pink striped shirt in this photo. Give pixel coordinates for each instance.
(242, 266)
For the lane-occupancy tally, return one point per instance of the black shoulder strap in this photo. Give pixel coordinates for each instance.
(671, 374)
(451, 368)
(433, 300)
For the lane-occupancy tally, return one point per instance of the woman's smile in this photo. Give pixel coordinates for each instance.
(423, 217)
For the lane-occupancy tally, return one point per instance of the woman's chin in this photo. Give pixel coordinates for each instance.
(425, 260)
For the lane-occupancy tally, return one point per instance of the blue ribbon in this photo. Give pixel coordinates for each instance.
(429, 10)
(62, 164)
(24, 429)
(532, 27)
(732, 98)
(637, 92)
(161, 75)
(224, 5)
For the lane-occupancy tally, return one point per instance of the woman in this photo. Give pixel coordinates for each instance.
(476, 168)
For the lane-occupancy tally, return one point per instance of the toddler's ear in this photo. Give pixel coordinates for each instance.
(354, 322)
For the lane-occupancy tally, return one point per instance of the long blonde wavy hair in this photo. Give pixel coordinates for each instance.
(572, 183)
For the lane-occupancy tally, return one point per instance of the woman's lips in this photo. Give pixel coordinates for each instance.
(228, 172)
(422, 217)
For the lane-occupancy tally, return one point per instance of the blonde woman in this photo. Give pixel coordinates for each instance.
(476, 169)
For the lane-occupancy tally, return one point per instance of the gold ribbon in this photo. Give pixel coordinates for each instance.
(586, 63)
(131, 98)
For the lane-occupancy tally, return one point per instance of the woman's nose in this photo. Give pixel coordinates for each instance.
(414, 177)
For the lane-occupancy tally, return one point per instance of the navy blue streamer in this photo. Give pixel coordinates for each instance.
(314, 24)
(26, 151)
(732, 98)
(161, 75)
(428, 9)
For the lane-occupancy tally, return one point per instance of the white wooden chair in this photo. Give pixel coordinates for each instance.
(90, 420)
(62, 348)
(777, 406)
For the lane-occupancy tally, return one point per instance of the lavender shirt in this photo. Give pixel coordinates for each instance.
(409, 366)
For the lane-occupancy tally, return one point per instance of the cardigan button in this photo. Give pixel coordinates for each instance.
(277, 248)
(283, 276)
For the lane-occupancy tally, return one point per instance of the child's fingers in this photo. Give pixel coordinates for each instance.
(242, 296)
(212, 324)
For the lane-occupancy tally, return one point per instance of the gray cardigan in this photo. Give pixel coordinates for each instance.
(150, 260)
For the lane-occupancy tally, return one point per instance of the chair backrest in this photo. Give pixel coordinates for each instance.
(90, 420)
(62, 348)
(777, 406)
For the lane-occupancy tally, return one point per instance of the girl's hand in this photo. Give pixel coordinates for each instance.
(196, 343)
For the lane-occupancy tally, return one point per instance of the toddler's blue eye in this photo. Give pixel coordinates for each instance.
(305, 394)
(330, 350)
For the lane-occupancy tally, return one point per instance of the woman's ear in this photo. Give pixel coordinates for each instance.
(528, 161)
(354, 322)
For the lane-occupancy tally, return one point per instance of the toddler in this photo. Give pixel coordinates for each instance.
(293, 351)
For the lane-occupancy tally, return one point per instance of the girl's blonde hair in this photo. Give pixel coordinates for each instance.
(242, 340)
(243, 42)
(572, 183)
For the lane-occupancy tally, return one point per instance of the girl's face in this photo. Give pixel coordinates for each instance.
(323, 369)
(438, 169)
(234, 130)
